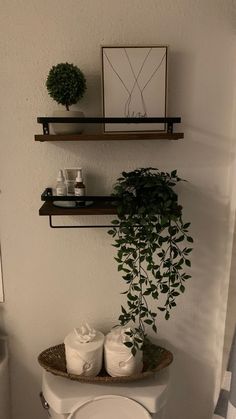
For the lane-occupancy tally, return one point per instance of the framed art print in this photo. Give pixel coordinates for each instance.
(134, 86)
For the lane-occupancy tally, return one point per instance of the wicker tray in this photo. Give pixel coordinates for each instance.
(155, 358)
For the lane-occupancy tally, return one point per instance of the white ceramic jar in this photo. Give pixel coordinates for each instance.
(70, 127)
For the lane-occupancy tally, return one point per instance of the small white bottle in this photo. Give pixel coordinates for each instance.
(79, 185)
(61, 185)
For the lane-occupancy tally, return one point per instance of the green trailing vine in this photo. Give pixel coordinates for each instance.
(152, 243)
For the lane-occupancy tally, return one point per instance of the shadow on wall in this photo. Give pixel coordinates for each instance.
(25, 403)
(4, 379)
(231, 307)
(2, 323)
(204, 298)
(189, 378)
(196, 329)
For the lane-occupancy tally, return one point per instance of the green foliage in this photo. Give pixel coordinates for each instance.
(66, 84)
(150, 237)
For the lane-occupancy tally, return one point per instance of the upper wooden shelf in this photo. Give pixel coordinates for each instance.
(168, 134)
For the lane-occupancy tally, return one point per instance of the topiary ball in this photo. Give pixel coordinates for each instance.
(66, 84)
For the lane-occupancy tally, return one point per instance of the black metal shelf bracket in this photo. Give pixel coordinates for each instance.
(170, 127)
(169, 121)
(46, 128)
(79, 226)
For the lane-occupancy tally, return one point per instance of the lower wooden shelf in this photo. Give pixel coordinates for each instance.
(97, 208)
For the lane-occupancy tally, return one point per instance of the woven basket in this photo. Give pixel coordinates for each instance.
(155, 358)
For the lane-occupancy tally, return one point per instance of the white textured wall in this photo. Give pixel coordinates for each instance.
(54, 279)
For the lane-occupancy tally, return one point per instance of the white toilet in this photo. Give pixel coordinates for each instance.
(67, 399)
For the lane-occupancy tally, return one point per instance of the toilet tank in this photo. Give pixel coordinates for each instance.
(60, 395)
(4, 379)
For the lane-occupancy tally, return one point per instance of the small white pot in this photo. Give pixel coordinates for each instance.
(70, 128)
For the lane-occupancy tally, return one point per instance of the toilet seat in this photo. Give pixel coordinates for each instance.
(105, 407)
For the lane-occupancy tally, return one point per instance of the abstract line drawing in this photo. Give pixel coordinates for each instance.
(134, 85)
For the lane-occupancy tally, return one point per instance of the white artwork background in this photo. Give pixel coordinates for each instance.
(134, 85)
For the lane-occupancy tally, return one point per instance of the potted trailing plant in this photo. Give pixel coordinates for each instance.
(66, 84)
(153, 248)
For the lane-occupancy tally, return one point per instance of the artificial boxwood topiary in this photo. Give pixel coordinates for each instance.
(66, 84)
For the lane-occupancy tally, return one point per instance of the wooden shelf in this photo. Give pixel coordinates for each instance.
(167, 134)
(112, 137)
(97, 208)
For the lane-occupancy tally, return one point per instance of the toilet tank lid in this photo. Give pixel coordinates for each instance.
(63, 394)
(104, 407)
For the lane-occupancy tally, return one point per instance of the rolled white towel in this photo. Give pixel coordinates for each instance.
(119, 360)
(84, 351)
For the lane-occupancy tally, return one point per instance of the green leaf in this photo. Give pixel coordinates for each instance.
(179, 239)
(132, 297)
(189, 239)
(172, 230)
(167, 315)
(148, 321)
(148, 291)
(115, 222)
(133, 351)
(142, 279)
(186, 225)
(144, 309)
(128, 344)
(154, 328)
(138, 340)
(175, 252)
(164, 289)
(182, 288)
(163, 239)
(188, 262)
